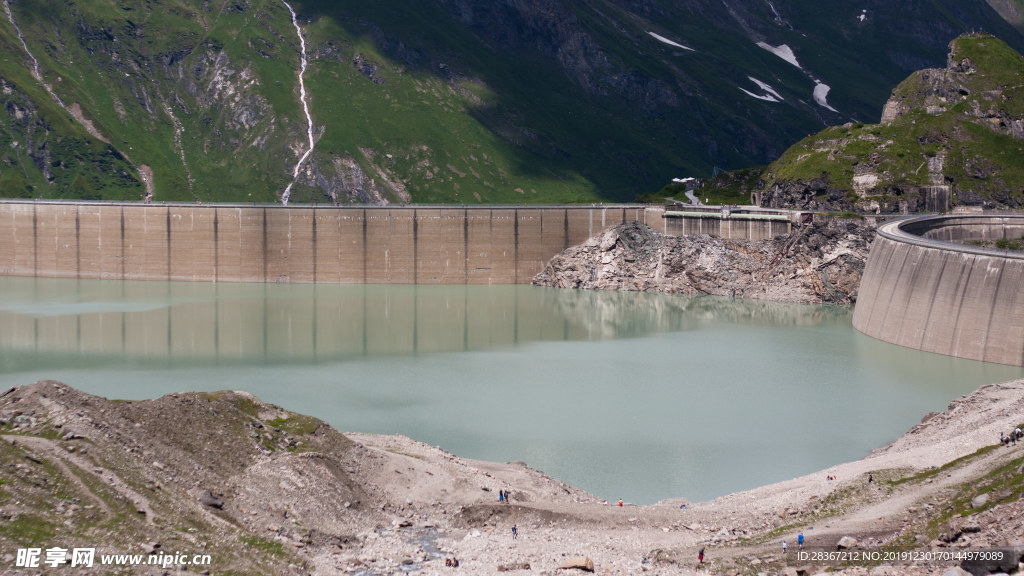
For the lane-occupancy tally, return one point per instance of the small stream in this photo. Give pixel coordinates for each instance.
(35, 63)
(426, 539)
(305, 104)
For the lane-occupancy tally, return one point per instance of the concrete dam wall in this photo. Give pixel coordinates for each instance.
(301, 244)
(922, 290)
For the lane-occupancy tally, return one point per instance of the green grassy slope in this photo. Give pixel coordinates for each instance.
(968, 118)
(437, 101)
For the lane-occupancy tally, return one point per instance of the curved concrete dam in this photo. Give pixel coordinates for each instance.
(924, 289)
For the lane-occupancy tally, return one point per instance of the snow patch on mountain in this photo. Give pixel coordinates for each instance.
(768, 93)
(766, 87)
(782, 51)
(765, 97)
(821, 94)
(669, 42)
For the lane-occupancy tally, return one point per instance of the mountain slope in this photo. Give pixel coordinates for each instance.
(1011, 10)
(948, 136)
(438, 101)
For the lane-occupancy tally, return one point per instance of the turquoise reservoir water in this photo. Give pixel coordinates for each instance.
(634, 396)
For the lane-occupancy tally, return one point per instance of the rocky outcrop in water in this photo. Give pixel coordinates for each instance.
(818, 263)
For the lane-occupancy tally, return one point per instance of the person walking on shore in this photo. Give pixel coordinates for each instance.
(515, 532)
(783, 546)
(700, 556)
(800, 540)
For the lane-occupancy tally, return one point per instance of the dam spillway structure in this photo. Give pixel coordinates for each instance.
(731, 222)
(926, 286)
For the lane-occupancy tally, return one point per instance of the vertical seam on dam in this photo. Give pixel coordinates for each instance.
(565, 229)
(515, 244)
(415, 253)
(123, 266)
(992, 310)
(314, 246)
(465, 245)
(916, 264)
(889, 297)
(78, 243)
(932, 297)
(168, 248)
(266, 249)
(365, 276)
(959, 306)
(877, 286)
(35, 240)
(216, 244)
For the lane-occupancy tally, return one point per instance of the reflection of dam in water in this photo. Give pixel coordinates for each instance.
(623, 394)
(245, 322)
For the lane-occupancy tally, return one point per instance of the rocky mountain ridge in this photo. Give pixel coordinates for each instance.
(947, 137)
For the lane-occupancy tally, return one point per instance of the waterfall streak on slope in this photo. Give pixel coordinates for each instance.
(305, 104)
(179, 129)
(35, 63)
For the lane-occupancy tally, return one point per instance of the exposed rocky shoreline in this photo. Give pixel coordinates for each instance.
(820, 263)
(266, 491)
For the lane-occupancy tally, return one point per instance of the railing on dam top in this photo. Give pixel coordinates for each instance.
(730, 221)
(325, 205)
(910, 229)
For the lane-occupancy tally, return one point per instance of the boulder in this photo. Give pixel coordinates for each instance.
(846, 542)
(206, 498)
(513, 567)
(979, 501)
(1003, 559)
(953, 533)
(578, 562)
